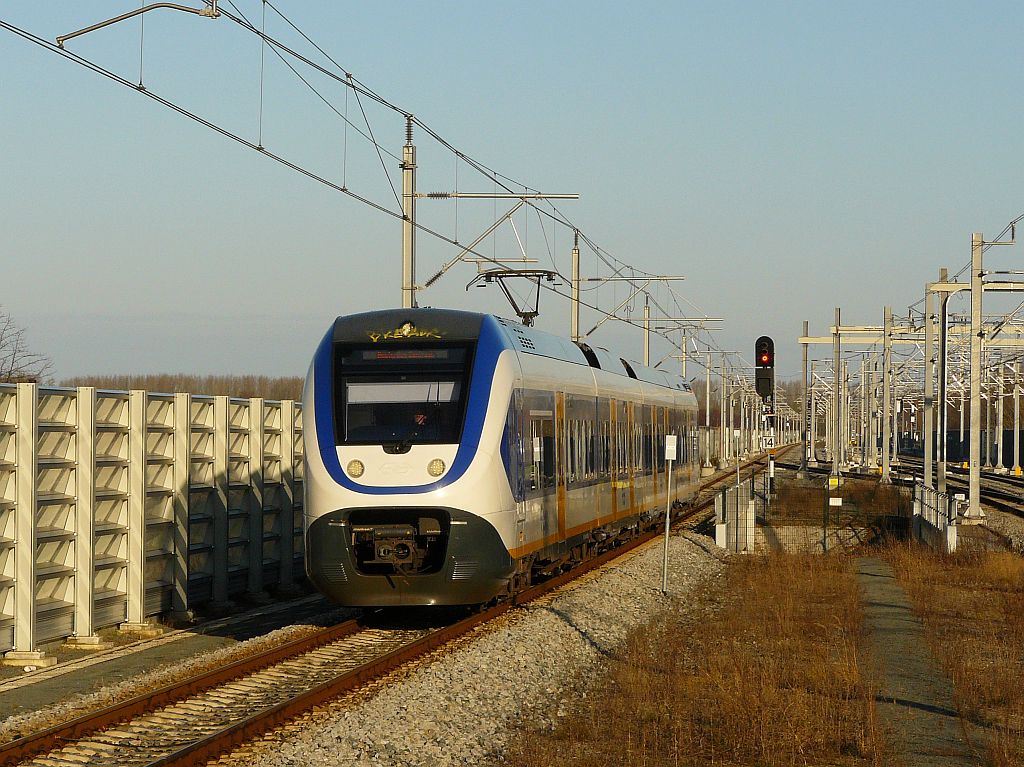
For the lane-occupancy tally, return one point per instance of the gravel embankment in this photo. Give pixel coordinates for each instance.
(1009, 525)
(467, 705)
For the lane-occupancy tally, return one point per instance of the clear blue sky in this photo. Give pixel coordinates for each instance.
(786, 157)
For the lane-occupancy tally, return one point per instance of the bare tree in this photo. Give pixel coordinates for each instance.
(17, 361)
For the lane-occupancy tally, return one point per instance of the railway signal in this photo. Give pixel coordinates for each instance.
(764, 369)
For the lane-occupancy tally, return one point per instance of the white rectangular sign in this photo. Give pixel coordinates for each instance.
(835, 501)
(670, 447)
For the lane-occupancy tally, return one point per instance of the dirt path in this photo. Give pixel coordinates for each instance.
(915, 699)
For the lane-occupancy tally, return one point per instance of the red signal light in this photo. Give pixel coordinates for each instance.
(764, 352)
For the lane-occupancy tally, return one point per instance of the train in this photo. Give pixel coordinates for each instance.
(453, 457)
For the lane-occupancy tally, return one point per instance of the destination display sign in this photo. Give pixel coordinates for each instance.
(405, 354)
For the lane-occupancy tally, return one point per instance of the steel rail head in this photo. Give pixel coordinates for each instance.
(25, 747)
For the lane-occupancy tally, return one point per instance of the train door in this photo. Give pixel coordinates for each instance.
(604, 444)
(541, 418)
(561, 460)
(518, 449)
(632, 452)
(621, 485)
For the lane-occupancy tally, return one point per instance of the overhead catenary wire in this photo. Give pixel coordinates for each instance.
(142, 43)
(358, 89)
(506, 183)
(263, 57)
(369, 129)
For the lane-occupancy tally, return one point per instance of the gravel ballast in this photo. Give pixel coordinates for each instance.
(466, 705)
(78, 705)
(1009, 525)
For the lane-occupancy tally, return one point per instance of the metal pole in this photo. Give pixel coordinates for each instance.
(737, 440)
(998, 401)
(897, 411)
(574, 317)
(929, 384)
(408, 218)
(668, 509)
(988, 414)
(734, 421)
(962, 419)
(744, 424)
(974, 486)
(886, 392)
(647, 331)
(829, 411)
(812, 457)
(682, 357)
(844, 430)
(1016, 418)
(723, 452)
(836, 394)
(943, 404)
(804, 409)
(706, 469)
(873, 414)
(865, 408)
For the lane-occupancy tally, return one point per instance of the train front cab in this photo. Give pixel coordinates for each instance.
(377, 538)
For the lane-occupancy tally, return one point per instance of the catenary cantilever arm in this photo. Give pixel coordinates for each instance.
(209, 11)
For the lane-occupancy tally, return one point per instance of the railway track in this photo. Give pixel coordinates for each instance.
(194, 721)
(1002, 492)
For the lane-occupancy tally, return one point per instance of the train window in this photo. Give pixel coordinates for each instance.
(513, 449)
(602, 456)
(648, 438)
(591, 451)
(547, 463)
(619, 433)
(400, 395)
(531, 457)
(408, 411)
(573, 464)
(659, 448)
(542, 447)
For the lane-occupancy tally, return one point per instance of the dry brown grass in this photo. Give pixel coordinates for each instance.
(972, 604)
(773, 678)
(872, 496)
(798, 502)
(268, 387)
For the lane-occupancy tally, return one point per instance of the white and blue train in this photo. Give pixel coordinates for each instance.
(450, 457)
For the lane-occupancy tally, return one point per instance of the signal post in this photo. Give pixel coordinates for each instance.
(764, 385)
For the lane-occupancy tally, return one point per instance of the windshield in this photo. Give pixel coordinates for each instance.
(411, 395)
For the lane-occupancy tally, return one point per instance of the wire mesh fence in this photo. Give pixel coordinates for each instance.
(811, 515)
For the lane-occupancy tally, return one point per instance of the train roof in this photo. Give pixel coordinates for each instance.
(463, 325)
(532, 341)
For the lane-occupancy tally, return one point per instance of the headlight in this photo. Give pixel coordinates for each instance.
(355, 469)
(435, 468)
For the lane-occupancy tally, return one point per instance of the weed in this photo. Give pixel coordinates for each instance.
(972, 604)
(773, 678)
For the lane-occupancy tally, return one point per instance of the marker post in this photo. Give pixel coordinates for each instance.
(670, 457)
